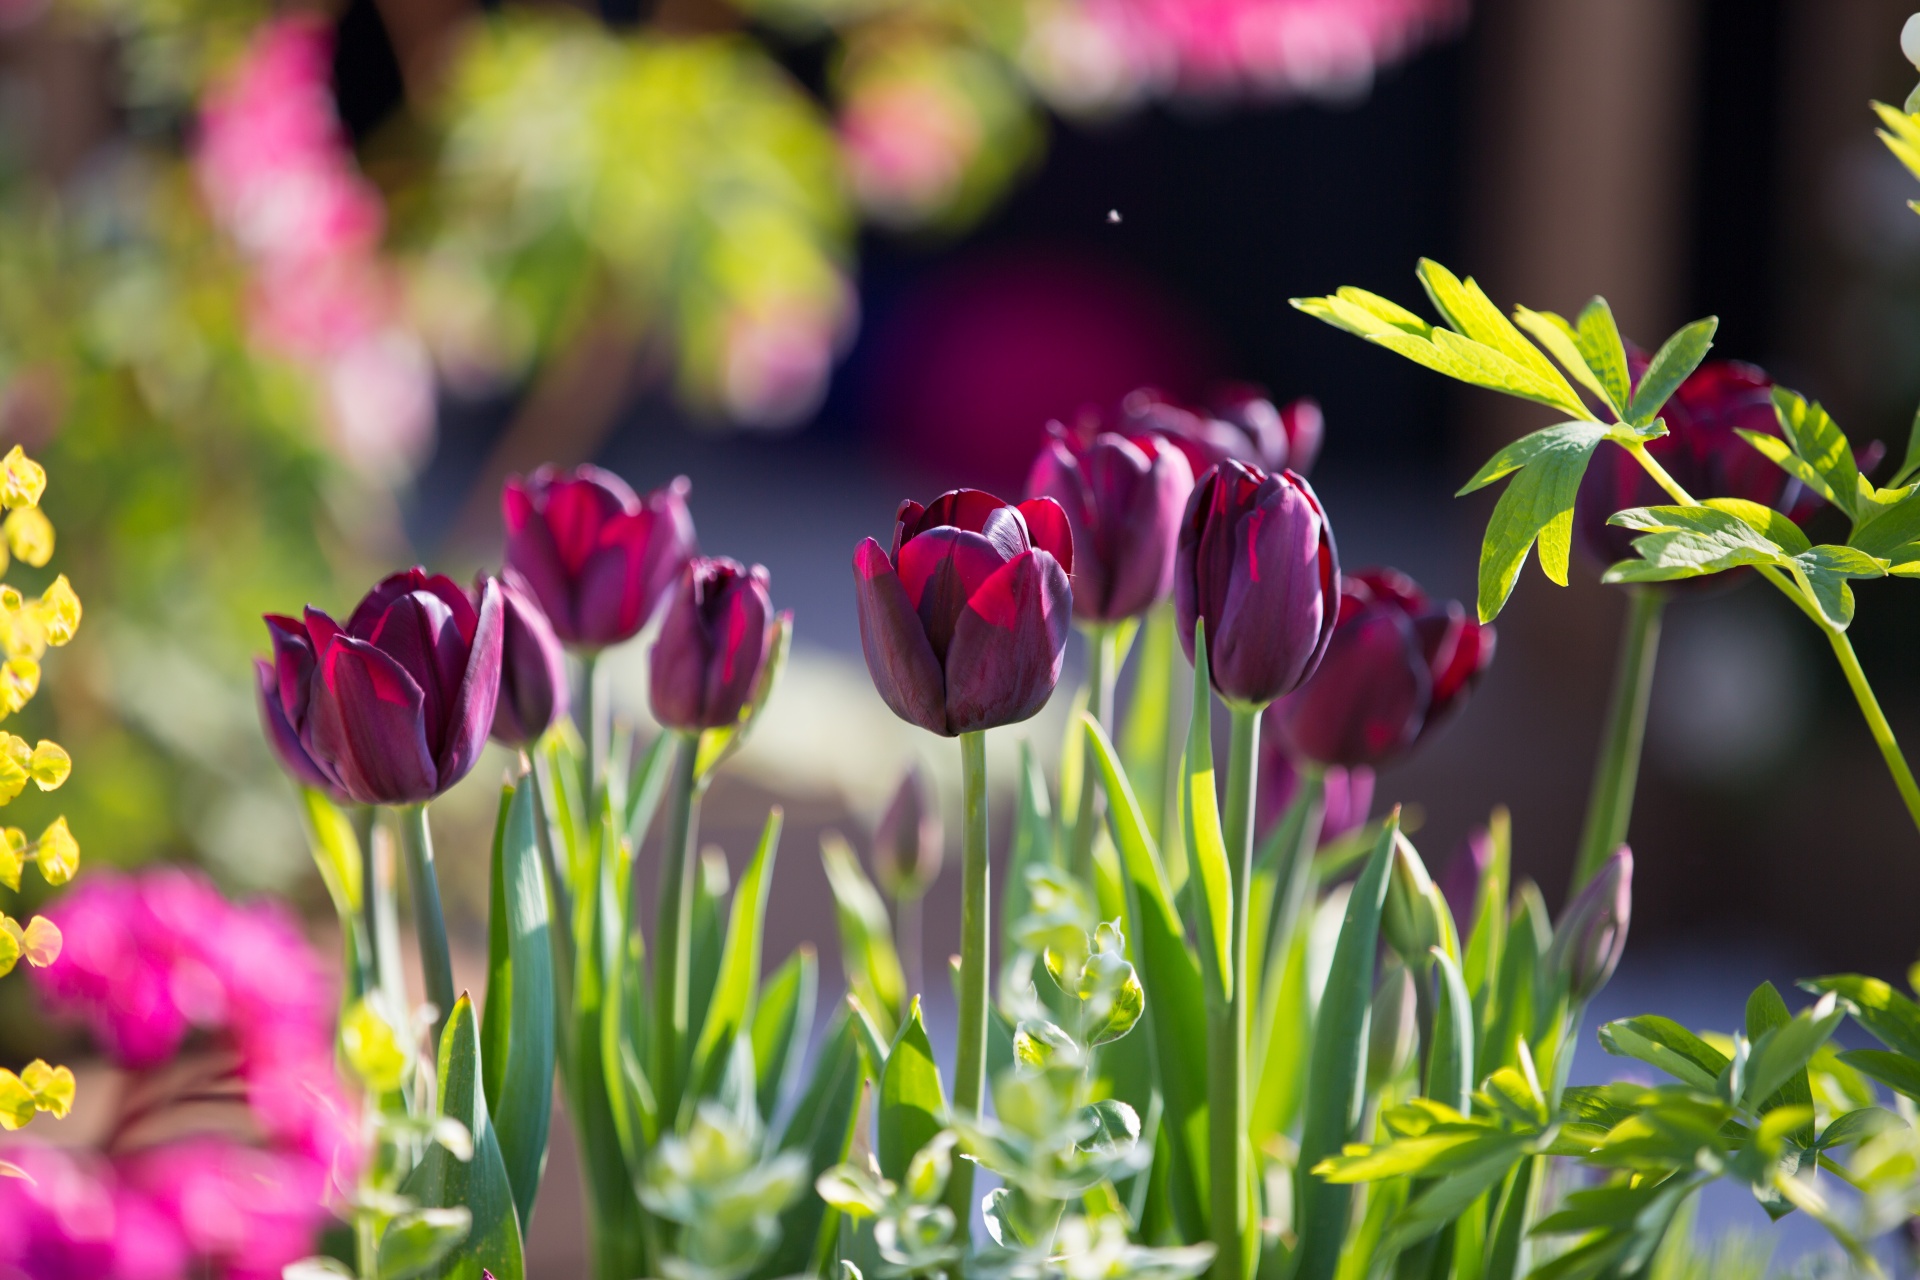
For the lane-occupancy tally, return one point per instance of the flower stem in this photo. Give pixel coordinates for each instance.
(1876, 722)
(598, 729)
(436, 966)
(1842, 649)
(1610, 803)
(1101, 654)
(673, 970)
(1231, 1028)
(970, 1064)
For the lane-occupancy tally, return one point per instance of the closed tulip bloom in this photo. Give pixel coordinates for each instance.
(1397, 669)
(715, 639)
(965, 622)
(1123, 497)
(394, 707)
(1592, 933)
(908, 842)
(1700, 451)
(533, 667)
(1243, 424)
(595, 555)
(282, 734)
(1257, 562)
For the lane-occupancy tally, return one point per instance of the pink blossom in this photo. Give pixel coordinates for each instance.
(907, 145)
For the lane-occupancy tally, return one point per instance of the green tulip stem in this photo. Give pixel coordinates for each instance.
(1615, 773)
(597, 727)
(436, 966)
(1842, 648)
(1102, 663)
(970, 1064)
(673, 972)
(1229, 1156)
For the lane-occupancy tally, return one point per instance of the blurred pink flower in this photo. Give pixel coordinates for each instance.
(279, 177)
(907, 145)
(778, 356)
(153, 960)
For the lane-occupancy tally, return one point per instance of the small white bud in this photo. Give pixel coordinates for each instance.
(1910, 39)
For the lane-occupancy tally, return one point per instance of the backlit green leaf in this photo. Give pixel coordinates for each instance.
(913, 1106)
(782, 1025)
(1205, 844)
(1818, 441)
(733, 994)
(1537, 505)
(1676, 360)
(867, 953)
(1891, 1018)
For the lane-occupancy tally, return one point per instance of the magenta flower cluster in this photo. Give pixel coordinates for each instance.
(202, 1000)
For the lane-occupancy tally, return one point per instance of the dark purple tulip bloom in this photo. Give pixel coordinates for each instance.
(281, 734)
(595, 555)
(1700, 450)
(1592, 933)
(533, 667)
(394, 707)
(964, 624)
(1123, 497)
(1243, 424)
(1347, 793)
(1257, 561)
(714, 643)
(1398, 668)
(908, 842)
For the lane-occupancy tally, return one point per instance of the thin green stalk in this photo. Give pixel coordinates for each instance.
(1876, 721)
(970, 1064)
(598, 730)
(1102, 641)
(366, 1249)
(673, 970)
(436, 966)
(1615, 773)
(1230, 1029)
(1842, 649)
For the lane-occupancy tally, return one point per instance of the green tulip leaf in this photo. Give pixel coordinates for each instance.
(867, 952)
(1206, 846)
(415, 1241)
(821, 1128)
(782, 1025)
(913, 1105)
(731, 1007)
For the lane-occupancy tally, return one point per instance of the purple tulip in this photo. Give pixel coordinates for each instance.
(281, 733)
(1123, 496)
(1397, 669)
(533, 667)
(1257, 562)
(715, 639)
(394, 707)
(1592, 933)
(596, 556)
(908, 842)
(964, 624)
(1700, 450)
(1243, 425)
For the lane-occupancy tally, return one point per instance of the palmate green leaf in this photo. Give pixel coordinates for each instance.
(1857, 1126)
(1672, 365)
(1206, 846)
(1818, 441)
(1336, 1073)
(1560, 340)
(1446, 1198)
(913, 1105)
(1664, 1043)
(783, 1023)
(731, 1007)
(1891, 528)
(1720, 534)
(1890, 1017)
(1443, 1149)
(1176, 993)
(1901, 134)
(1598, 339)
(1767, 1012)
(1537, 505)
(1778, 1061)
(517, 1030)
(1824, 571)
(1895, 1070)
(440, 1181)
(1469, 311)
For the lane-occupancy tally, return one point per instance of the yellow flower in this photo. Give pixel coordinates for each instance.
(51, 1087)
(58, 853)
(19, 681)
(13, 856)
(30, 535)
(50, 765)
(371, 1048)
(16, 1101)
(10, 935)
(16, 758)
(59, 611)
(40, 941)
(22, 480)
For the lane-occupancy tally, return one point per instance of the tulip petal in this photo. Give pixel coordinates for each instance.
(739, 637)
(293, 665)
(365, 723)
(941, 569)
(577, 509)
(531, 553)
(533, 668)
(901, 661)
(419, 632)
(967, 509)
(1368, 699)
(681, 655)
(469, 715)
(280, 732)
(1047, 529)
(1007, 647)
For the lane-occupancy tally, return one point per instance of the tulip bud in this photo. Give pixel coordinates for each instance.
(1257, 563)
(597, 556)
(714, 640)
(1391, 1028)
(1410, 920)
(1123, 497)
(964, 624)
(907, 843)
(394, 707)
(1593, 931)
(533, 668)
